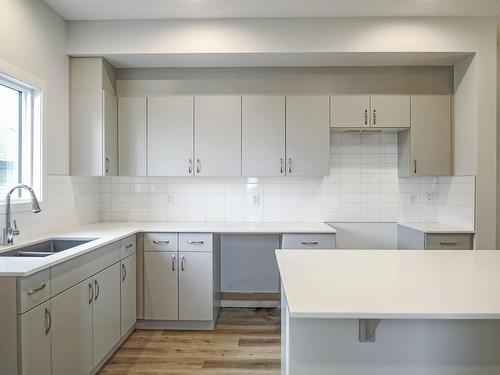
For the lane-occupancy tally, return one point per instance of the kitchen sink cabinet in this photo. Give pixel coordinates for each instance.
(35, 344)
(72, 330)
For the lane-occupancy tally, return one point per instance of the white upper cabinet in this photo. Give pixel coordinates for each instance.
(425, 149)
(132, 136)
(93, 112)
(390, 111)
(170, 136)
(350, 111)
(263, 135)
(307, 136)
(217, 140)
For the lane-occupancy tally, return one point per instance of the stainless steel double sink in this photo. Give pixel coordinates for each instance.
(45, 248)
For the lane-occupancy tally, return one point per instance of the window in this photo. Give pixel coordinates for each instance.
(20, 129)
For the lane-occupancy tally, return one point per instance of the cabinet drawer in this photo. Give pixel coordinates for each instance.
(448, 242)
(308, 241)
(72, 272)
(195, 242)
(160, 242)
(128, 246)
(33, 290)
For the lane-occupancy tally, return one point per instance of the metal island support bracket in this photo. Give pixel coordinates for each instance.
(367, 328)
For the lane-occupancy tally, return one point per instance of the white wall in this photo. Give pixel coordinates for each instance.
(351, 35)
(33, 42)
(33, 39)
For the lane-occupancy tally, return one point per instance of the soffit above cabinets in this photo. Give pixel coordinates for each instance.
(155, 9)
(322, 59)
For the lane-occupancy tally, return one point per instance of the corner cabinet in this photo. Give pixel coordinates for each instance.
(307, 136)
(93, 118)
(132, 136)
(425, 148)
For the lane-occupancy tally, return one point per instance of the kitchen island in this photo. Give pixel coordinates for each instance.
(390, 312)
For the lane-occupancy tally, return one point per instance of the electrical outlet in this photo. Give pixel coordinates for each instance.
(430, 199)
(256, 199)
(413, 199)
(170, 198)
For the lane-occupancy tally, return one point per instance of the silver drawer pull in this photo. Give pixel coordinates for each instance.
(48, 321)
(448, 243)
(196, 242)
(310, 243)
(34, 290)
(161, 242)
(173, 262)
(182, 262)
(129, 246)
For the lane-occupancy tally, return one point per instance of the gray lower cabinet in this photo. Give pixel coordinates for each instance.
(183, 284)
(411, 239)
(72, 330)
(105, 314)
(34, 330)
(128, 294)
(161, 285)
(70, 317)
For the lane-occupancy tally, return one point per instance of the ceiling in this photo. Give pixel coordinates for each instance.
(163, 9)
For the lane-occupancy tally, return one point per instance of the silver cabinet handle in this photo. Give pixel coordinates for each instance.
(182, 262)
(97, 290)
(448, 243)
(414, 166)
(196, 242)
(366, 117)
(48, 321)
(124, 272)
(281, 166)
(32, 291)
(161, 242)
(198, 165)
(190, 166)
(107, 165)
(310, 243)
(173, 262)
(91, 293)
(129, 246)
(374, 117)
(289, 165)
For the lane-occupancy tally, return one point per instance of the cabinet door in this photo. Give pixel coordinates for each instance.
(217, 137)
(170, 136)
(110, 106)
(35, 332)
(72, 330)
(132, 136)
(128, 294)
(390, 111)
(430, 135)
(195, 286)
(86, 132)
(106, 312)
(350, 111)
(161, 286)
(307, 136)
(263, 135)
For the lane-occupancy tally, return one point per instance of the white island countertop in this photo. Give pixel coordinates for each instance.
(106, 233)
(391, 284)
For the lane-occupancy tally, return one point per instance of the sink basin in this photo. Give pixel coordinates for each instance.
(45, 248)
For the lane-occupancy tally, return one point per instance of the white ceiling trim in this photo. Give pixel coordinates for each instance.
(177, 9)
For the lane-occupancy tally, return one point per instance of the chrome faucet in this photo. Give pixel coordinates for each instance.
(10, 231)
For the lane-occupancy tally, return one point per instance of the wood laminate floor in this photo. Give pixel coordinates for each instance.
(245, 341)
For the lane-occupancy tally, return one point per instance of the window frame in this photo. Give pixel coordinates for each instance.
(33, 118)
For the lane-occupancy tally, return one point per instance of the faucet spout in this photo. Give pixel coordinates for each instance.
(9, 232)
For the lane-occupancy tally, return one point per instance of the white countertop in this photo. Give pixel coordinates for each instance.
(107, 233)
(436, 228)
(391, 284)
